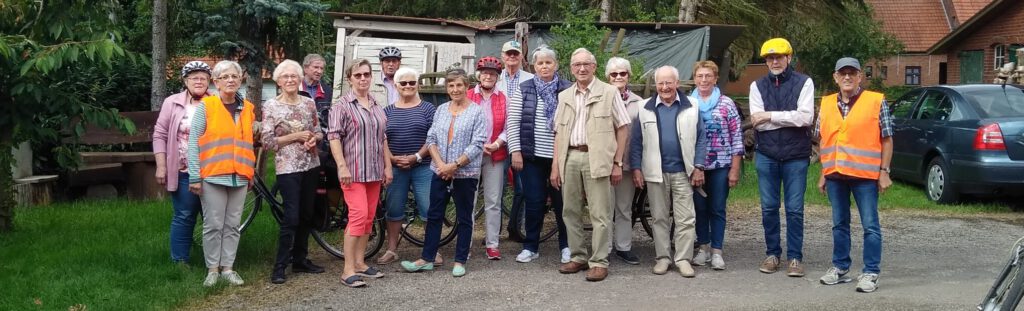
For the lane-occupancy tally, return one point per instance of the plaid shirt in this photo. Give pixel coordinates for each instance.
(884, 119)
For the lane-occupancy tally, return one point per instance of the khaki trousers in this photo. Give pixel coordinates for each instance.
(674, 194)
(576, 182)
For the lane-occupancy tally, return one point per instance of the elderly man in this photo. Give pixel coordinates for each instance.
(856, 145)
(390, 59)
(782, 112)
(668, 149)
(588, 162)
(512, 56)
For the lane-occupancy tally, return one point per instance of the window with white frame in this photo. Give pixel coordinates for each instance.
(999, 53)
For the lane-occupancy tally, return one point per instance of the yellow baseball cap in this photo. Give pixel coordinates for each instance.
(776, 46)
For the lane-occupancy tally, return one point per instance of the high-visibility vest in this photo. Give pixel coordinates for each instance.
(226, 147)
(851, 146)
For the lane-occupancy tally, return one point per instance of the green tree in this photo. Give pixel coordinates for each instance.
(41, 44)
(578, 30)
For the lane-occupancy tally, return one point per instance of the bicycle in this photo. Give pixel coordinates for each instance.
(1006, 293)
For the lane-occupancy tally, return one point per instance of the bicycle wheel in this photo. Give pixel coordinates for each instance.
(332, 237)
(415, 228)
(517, 224)
(642, 211)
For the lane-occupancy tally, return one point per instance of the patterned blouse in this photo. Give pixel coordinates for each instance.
(468, 132)
(280, 119)
(361, 132)
(724, 134)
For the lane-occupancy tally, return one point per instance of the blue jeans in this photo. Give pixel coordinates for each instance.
(462, 191)
(418, 178)
(534, 178)
(865, 192)
(791, 177)
(711, 210)
(187, 207)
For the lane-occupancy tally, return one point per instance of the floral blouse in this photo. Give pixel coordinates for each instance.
(280, 119)
(724, 134)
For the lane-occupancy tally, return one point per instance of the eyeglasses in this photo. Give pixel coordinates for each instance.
(407, 83)
(197, 79)
(362, 75)
(289, 77)
(229, 77)
(619, 74)
(847, 74)
(581, 65)
(703, 77)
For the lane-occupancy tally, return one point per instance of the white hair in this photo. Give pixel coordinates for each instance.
(670, 69)
(287, 66)
(226, 65)
(407, 71)
(544, 50)
(584, 50)
(310, 58)
(618, 63)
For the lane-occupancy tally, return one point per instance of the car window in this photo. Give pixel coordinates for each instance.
(904, 105)
(995, 103)
(936, 105)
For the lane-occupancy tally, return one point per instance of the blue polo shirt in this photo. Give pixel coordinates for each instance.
(668, 136)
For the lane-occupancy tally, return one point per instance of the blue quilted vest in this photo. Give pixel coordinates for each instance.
(780, 93)
(526, 124)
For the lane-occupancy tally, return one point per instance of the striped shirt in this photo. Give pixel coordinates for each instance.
(362, 136)
(578, 136)
(469, 129)
(407, 128)
(198, 129)
(510, 84)
(543, 138)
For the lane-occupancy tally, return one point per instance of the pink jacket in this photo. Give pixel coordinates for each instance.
(165, 134)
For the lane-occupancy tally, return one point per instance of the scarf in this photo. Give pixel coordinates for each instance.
(706, 106)
(548, 92)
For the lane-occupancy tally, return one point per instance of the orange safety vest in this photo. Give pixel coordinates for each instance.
(226, 148)
(851, 146)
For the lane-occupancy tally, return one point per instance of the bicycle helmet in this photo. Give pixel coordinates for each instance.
(389, 51)
(488, 62)
(194, 66)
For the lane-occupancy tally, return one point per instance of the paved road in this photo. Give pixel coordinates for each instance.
(929, 263)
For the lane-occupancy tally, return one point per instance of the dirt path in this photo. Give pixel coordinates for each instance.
(929, 263)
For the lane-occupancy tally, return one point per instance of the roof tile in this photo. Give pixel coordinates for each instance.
(916, 23)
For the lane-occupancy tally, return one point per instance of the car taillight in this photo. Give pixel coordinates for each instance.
(989, 137)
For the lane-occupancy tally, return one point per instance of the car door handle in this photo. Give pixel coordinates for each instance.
(929, 132)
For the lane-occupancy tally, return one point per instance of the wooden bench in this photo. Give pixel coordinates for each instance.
(131, 172)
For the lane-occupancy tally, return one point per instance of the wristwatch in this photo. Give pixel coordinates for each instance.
(618, 163)
(886, 170)
(419, 159)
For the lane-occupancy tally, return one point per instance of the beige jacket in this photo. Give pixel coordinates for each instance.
(600, 127)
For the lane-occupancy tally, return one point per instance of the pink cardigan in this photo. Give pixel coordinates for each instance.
(165, 134)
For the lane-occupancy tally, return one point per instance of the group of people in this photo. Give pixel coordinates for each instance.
(583, 146)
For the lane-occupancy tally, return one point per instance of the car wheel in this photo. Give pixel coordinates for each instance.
(937, 183)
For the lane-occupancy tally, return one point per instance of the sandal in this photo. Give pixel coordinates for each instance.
(353, 281)
(438, 260)
(370, 272)
(388, 257)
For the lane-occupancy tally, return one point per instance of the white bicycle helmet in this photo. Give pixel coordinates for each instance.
(194, 66)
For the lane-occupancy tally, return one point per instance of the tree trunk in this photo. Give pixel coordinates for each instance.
(687, 11)
(159, 90)
(606, 9)
(6, 183)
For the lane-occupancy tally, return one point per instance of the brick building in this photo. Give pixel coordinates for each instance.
(984, 42)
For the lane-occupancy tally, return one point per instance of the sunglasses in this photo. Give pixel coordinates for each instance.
(619, 74)
(407, 83)
(362, 75)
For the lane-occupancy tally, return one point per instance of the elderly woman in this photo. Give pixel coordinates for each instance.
(722, 169)
(618, 71)
(409, 119)
(220, 166)
(360, 149)
(531, 139)
(456, 142)
(170, 146)
(290, 129)
(494, 166)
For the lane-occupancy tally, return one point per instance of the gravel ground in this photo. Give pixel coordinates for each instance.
(929, 262)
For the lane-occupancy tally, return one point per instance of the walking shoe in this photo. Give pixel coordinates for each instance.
(795, 268)
(867, 282)
(661, 266)
(770, 264)
(211, 279)
(307, 266)
(685, 269)
(702, 258)
(597, 274)
(717, 262)
(232, 277)
(572, 267)
(566, 255)
(526, 256)
(835, 276)
(458, 270)
(628, 257)
(493, 253)
(278, 276)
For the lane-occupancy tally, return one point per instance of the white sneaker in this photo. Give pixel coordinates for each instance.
(232, 277)
(717, 262)
(211, 279)
(835, 276)
(702, 257)
(867, 282)
(566, 255)
(526, 256)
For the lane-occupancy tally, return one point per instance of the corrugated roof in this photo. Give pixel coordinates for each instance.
(916, 23)
(490, 24)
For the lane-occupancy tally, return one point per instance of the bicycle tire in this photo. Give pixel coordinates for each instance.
(414, 228)
(517, 227)
(642, 211)
(373, 246)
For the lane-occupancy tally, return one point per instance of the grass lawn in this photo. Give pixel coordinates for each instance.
(111, 255)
